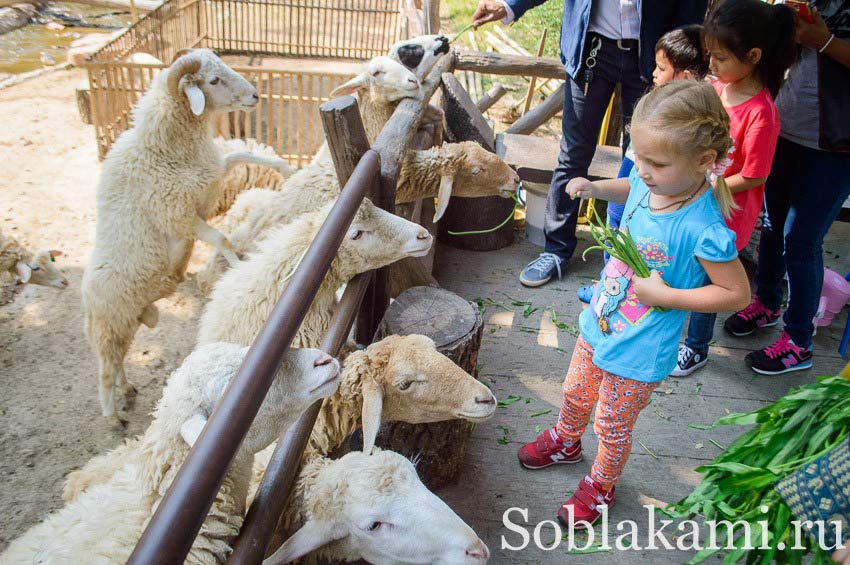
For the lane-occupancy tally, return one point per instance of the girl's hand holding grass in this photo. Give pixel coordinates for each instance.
(651, 291)
(580, 187)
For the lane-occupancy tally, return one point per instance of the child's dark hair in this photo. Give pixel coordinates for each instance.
(741, 25)
(683, 48)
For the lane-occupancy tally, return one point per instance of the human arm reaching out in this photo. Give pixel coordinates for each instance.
(612, 190)
(729, 290)
(816, 35)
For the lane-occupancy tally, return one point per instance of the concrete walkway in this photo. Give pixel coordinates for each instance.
(528, 357)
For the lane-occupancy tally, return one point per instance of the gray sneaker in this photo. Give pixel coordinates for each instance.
(541, 270)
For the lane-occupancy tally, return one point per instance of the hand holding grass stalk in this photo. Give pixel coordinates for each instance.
(618, 243)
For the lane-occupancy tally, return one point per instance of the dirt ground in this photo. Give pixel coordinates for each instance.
(49, 413)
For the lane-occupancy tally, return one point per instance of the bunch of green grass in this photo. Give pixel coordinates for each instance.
(738, 484)
(617, 243)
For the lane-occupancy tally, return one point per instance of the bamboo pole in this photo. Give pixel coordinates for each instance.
(533, 80)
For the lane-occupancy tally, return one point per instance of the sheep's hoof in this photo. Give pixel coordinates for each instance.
(118, 423)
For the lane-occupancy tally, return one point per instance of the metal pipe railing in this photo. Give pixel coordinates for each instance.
(173, 527)
(272, 494)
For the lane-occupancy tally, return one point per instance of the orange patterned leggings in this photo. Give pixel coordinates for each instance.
(620, 402)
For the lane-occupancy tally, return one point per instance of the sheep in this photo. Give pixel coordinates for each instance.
(245, 175)
(400, 378)
(156, 180)
(374, 507)
(464, 169)
(104, 523)
(419, 54)
(244, 297)
(379, 88)
(19, 265)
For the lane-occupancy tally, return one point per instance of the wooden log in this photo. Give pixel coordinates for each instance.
(431, 15)
(84, 103)
(456, 327)
(541, 113)
(348, 142)
(465, 123)
(490, 97)
(391, 145)
(500, 64)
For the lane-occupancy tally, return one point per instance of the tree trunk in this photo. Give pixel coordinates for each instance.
(456, 326)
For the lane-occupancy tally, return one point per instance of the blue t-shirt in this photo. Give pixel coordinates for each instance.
(636, 341)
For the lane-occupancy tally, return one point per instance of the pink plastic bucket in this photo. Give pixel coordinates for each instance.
(834, 295)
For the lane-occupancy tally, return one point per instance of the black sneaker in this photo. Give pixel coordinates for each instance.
(783, 356)
(541, 270)
(690, 360)
(748, 320)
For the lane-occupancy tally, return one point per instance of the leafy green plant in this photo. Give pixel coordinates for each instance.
(738, 484)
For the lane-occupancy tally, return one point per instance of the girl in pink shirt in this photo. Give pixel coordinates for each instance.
(750, 45)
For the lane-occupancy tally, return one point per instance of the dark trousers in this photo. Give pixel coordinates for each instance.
(802, 196)
(581, 120)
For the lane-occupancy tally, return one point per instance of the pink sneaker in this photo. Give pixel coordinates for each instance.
(548, 449)
(748, 320)
(783, 356)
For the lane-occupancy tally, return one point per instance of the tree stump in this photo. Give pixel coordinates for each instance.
(456, 326)
(465, 123)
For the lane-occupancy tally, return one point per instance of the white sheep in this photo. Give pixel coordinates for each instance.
(461, 169)
(245, 175)
(419, 54)
(155, 183)
(103, 524)
(244, 297)
(374, 507)
(400, 378)
(20, 265)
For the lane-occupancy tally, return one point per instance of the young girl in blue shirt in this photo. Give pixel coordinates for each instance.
(627, 345)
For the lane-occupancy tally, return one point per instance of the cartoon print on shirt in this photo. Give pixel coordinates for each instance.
(614, 291)
(616, 307)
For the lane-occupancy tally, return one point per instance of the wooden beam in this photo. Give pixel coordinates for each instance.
(541, 113)
(490, 97)
(499, 64)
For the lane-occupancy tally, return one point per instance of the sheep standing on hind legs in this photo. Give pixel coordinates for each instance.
(104, 523)
(155, 184)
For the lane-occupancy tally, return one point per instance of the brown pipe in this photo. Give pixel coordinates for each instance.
(173, 527)
(273, 492)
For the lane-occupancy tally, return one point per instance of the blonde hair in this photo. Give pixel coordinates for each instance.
(689, 116)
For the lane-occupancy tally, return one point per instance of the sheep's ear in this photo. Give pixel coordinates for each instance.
(24, 271)
(357, 83)
(191, 429)
(55, 253)
(446, 182)
(311, 536)
(196, 99)
(373, 403)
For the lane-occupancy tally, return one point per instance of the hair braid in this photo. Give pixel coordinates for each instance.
(690, 117)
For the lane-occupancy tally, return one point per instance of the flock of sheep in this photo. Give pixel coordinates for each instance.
(162, 181)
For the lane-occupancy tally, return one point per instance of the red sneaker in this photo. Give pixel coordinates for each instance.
(548, 449)
(584, 502)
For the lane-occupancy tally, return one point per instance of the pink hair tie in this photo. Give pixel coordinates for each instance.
(718, 169)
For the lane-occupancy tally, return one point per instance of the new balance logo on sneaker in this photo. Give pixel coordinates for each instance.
(548, 449)
(783, 356)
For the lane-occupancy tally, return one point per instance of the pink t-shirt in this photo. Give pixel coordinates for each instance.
(754, 126)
